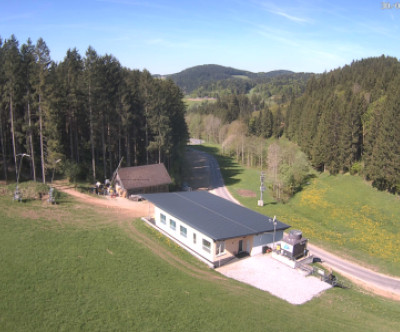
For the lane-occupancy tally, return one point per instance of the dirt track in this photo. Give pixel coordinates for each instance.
(133, 209)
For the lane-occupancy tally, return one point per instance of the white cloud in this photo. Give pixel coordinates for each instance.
(285, 13)
(290, 17)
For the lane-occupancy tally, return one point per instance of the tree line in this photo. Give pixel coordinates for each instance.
(345, 120)
(84, 113)
(280, 85)
(256, 117)
(216, 81)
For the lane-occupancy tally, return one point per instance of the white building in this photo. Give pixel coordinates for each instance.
(212, 227)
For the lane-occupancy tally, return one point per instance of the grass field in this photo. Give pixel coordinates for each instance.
(71, 267)
(341, 213)
(190, 102)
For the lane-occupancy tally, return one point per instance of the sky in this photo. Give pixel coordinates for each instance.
(166, 37)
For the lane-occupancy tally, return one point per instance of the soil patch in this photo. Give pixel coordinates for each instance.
(246, 193)
(122, 205)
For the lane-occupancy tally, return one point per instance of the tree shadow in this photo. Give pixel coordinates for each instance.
(228, 166)
(306, 183)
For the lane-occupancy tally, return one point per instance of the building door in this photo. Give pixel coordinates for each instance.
(240, 246)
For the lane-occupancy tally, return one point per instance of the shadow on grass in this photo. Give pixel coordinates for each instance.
(228, 166)
(306, 183)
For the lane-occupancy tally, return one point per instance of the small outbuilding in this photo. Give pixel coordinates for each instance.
(212, 227)
(138, 180)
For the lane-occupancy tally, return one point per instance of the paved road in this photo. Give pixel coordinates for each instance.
(215, 180)
(366, 276)
(385, 285)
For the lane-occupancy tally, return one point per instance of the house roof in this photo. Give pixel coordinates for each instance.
(144, 176)
(213, 216)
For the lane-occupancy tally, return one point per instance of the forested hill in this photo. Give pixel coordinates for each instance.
(349, 120)
(202, 76)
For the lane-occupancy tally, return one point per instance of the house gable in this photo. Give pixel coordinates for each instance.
(147, 178)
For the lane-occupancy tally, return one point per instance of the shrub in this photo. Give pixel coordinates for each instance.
(29, 190)
(356, 168)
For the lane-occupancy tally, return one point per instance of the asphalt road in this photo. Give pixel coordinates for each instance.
(386, 285)
(215, 180)
(352, 270)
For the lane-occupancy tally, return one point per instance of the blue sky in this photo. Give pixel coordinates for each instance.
(166, 37)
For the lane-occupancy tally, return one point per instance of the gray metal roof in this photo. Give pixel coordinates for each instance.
(213, 216)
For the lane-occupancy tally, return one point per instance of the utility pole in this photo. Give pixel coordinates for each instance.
(262, 189)
(273, 240)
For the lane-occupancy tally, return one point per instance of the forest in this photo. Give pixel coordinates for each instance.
(345, 120)
(251, 130)
(83, 115)
(348, 120)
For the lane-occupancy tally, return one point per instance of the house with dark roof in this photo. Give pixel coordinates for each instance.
(212, 227)
(142, 179)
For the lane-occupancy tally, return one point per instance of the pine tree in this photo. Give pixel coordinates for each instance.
(146, 85)
(29, 79)
(12, 74)
(132, 117)
(279, 123)
(43, 60)
(382, 162)
(70, 74)
(3, 116)
(351, 133)
(90, 72)
(266, 123)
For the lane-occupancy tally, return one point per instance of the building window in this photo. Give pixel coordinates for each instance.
(194, 238)
(172, 224)
(206, 245)
(183, 231)
(220, 248)
(163, 218)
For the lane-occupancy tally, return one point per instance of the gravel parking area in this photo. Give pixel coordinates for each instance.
(268, 274)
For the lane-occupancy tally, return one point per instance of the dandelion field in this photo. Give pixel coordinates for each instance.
(341, 213)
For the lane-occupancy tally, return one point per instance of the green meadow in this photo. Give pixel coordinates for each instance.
(341, 213)
(74, 267)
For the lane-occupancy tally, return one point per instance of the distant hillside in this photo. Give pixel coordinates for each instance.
(205, 75)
